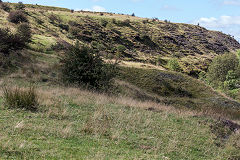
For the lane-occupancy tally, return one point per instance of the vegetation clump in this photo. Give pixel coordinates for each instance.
(174, 65)
(103, 22)
(17, 16)
(54, 19)
(20, 98)
(120, 51)
(223, 74)
(5, 7)
(20, 6)
(14, 41)
(82, 66)
(24, 32)
(219, 68)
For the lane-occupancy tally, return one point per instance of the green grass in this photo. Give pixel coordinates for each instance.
(42, 43)
(56, 132)
(179, 90)
(78, 124)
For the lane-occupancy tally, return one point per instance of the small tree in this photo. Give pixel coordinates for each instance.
(219, 68)
(17, 17)
(84, 67)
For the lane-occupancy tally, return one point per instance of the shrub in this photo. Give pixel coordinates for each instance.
(20, 6)
(5, 37)
(114, 21)
(82, 66)
(220, 66)
(145, 21)
(17, 17)
(174, 65)
(103, 22)
(5, 7)
(12, 42)
(133, 15)
(54, 19)
(20, 98)
(231, 80)
(97, 46)
(73, 23)
(64, 27)
(74, 31)
(24, 32)
(126, 22)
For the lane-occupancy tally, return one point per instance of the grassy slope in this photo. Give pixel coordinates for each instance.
(145, 39)
(78, 124)
(82, 125)
(179, 90)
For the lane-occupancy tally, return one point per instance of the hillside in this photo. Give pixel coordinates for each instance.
(146, 40)
(149, 112)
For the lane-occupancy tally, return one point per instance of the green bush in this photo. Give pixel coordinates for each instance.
(20, 98)
(219, 68)
(82, 66)
(17, 17)
(174, 65)
(231, 80)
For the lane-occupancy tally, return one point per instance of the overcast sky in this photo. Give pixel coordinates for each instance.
(221, 15)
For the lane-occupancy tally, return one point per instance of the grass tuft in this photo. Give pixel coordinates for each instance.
(99, 123)
(20, 98)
